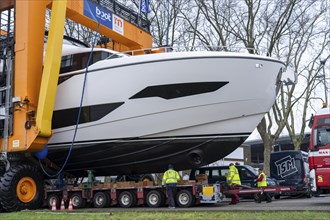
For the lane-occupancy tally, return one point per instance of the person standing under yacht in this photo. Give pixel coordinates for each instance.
(170, 179)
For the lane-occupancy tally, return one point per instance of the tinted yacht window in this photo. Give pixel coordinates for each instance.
(172, 91)
(68, 117)
(79, 61)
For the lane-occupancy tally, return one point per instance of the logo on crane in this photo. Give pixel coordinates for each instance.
(118, 24)
(98, 14)
(286, 166)
(103, 15)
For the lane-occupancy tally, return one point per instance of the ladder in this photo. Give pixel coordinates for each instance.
(6, 77)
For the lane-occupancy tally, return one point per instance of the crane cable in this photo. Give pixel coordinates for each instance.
(79, 113)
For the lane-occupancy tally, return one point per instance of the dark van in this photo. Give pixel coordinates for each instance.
(218, 174)
(290, 168)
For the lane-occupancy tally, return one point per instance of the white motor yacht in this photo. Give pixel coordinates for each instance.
(140, 113)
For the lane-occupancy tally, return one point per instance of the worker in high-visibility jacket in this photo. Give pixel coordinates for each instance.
(233, 181)
(170, 179)
(262, 183)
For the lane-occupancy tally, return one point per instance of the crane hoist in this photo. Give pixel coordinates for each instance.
(29, 74)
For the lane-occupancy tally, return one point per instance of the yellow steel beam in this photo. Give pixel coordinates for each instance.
(3, 33)
(29, 42)
(132, 37)
(51, 68)
(37, 88)
(6, 4)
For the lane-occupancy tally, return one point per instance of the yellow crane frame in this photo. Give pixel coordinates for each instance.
(36, 75)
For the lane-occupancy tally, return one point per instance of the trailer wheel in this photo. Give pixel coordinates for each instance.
(126, 199)
(101, 200)
(308, 193)
(184, 199)
(21, 187)
(134, 199)
(78, 201)
(277, 196)
(155, 199)
(50, 200)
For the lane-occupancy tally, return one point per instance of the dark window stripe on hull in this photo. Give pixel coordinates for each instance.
(172, 91)
(68, 117)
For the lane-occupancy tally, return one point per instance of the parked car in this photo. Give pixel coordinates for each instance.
(290, 168)
(218, 174)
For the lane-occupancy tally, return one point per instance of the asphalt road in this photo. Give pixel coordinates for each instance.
(321, 203)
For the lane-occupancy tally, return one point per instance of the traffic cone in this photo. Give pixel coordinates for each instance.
(54, 205)
(62, 205)
(70, 208)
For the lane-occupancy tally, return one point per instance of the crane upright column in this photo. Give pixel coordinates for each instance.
(28, 60)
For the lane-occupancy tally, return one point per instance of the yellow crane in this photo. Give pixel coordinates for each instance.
(35, 76)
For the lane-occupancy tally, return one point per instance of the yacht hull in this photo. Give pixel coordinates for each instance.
(141, 113)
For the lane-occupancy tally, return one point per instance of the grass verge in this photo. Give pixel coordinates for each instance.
(159, 215)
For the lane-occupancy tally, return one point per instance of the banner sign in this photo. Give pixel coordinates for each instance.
(144, 6)
(118, 24)
(103, 16)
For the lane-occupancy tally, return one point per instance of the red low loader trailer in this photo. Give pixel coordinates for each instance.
(129, 194)
(249, 190)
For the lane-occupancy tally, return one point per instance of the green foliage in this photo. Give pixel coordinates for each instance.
(173, 214)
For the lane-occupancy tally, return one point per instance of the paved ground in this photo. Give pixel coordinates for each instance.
(321, 203)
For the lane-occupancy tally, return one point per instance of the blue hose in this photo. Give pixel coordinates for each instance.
(79, 113)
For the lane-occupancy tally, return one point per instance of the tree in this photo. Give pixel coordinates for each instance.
(166, 25)
(287, 30)
(300, 32)
(310, 75)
